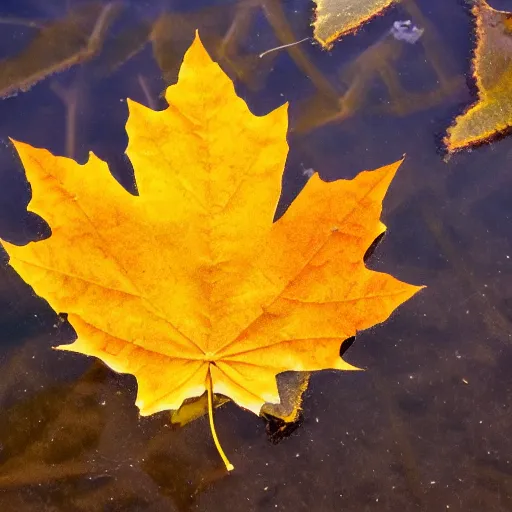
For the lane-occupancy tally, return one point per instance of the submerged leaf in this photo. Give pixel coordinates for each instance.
(126, 44)
(191, 286)
(195, 408)
(492, 69)
(74, 39)
(335, 18)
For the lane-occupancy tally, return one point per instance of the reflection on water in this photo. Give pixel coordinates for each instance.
(427, 427)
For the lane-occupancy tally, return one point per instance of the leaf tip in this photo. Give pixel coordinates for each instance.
(197, 46)
(347, 367)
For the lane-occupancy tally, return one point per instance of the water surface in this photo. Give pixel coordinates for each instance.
(427, 426)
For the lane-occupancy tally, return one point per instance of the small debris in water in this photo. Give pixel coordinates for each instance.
(308, 172)
(406, 31)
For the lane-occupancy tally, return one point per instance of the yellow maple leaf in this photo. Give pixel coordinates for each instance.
(191, 286)
(491, 114)
(335, 18)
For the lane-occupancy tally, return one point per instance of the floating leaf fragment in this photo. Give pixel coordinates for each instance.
(292, 386)
(191, 286)
(491, 115)
(335, 18)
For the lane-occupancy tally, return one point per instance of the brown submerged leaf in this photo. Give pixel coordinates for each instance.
(74, 39)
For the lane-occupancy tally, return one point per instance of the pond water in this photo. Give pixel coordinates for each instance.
(428, 425)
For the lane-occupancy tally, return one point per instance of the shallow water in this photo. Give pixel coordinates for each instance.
(427, 426)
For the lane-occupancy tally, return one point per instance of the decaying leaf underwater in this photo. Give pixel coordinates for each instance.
(190, 286)
(74, 39)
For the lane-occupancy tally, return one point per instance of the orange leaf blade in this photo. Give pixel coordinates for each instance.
(192, 280)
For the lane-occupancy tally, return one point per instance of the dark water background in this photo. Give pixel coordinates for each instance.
(428, 426)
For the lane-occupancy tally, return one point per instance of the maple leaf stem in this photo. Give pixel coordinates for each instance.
(209, 387)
